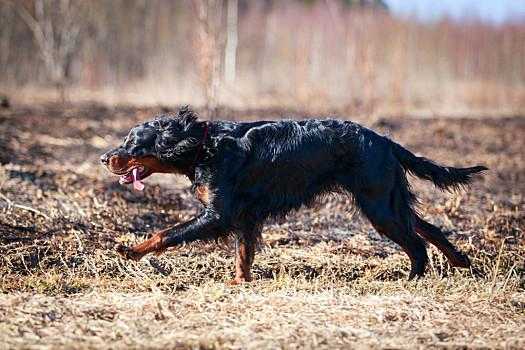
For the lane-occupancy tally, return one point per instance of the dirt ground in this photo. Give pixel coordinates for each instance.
(324, 277)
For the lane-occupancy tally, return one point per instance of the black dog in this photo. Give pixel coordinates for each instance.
(244, 173)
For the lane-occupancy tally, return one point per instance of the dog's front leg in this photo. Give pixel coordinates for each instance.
(245, 246)
(244, 254)
(208, 225)
(153, 244)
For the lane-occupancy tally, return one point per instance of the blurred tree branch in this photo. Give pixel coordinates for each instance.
(5, 38)
(56, 26)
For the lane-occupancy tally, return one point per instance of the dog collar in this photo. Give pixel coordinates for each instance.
(201, 144)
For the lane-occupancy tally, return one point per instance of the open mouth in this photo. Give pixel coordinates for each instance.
(135, 176)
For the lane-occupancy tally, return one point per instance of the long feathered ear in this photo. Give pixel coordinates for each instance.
(170, 147)
(177, 136)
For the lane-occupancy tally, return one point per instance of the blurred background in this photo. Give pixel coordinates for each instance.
(363, 56)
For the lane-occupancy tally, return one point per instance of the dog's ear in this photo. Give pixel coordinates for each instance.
(173, 144)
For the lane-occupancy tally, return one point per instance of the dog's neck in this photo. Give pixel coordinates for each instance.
(200, 146)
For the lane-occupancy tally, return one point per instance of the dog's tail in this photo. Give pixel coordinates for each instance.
(445, 178)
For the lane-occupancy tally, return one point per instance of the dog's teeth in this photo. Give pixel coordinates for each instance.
(136, 174)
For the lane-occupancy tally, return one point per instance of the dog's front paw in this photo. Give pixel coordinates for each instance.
(128, 253)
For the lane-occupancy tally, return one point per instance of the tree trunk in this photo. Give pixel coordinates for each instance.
(230, 53)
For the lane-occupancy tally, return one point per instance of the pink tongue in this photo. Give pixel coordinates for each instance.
(137, 184)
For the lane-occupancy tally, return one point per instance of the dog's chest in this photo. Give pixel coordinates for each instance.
(201, 187)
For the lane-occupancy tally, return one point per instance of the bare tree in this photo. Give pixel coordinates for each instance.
(209, 16)
(5, 38)
(230, 52)
(56, 26)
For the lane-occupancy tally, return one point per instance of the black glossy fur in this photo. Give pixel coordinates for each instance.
(257, 170)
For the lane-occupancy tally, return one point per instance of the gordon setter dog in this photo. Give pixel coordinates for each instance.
(247, 172)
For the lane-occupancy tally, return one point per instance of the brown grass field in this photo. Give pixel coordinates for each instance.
(324, 277)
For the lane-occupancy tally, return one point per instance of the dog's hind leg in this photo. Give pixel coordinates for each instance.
(391, 215)
(434, 235)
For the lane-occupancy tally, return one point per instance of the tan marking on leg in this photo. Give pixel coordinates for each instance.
(245, 252)
(203, 194)
(153, 244)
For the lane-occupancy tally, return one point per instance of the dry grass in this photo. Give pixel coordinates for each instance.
(269, 315)
(324, 278)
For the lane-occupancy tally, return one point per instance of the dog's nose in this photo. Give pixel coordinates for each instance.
(104, 159)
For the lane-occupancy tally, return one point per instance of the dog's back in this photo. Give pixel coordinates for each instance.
(288, 164)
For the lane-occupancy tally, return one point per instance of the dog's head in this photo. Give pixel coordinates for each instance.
(167, 144)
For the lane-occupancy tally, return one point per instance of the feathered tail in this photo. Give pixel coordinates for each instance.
(446, 178)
